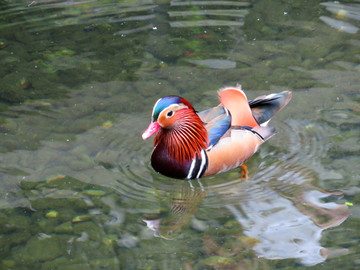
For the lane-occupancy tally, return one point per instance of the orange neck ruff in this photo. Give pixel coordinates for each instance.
(185, 138)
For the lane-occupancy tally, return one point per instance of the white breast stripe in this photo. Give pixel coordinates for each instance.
(191, 168)
(203, 163)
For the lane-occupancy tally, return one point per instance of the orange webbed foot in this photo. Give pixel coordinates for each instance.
(243, 172)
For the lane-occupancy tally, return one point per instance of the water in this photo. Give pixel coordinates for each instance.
(78, 82)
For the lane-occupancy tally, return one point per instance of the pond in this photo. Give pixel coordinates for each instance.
(78, 83)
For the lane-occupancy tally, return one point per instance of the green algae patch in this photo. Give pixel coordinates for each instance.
(81, 218)
(8, 264)
(107, 124)
(52, 214)
(94, 192)
(55, 178)
(217, 262)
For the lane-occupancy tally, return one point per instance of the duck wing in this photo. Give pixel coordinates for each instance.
(217, 122)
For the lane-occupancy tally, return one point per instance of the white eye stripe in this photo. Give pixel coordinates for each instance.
(173, 105)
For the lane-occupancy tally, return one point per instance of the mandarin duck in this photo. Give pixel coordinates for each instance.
(190, 144)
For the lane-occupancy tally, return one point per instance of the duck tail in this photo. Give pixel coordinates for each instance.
(265, 107)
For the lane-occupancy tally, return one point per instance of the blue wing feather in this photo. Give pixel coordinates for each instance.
(217, 122)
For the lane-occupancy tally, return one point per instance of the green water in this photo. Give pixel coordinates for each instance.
(78, 80)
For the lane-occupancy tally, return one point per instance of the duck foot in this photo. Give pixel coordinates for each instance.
(243, 172)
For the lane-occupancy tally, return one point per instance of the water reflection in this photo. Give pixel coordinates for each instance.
(284, 215)
(177, 206)
(290, 227)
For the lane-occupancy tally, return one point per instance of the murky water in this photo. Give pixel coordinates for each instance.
(78, 82)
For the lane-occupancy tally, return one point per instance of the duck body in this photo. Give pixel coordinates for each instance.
(191, 145)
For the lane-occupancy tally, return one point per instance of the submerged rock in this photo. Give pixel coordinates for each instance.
(214, 63)
(65, 227)
(41, 249)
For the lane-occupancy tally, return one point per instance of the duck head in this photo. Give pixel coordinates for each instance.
(178, 127)
(165, 114)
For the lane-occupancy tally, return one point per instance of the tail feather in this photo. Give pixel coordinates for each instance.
(264, 107)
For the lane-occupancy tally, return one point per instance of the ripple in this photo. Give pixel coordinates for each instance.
(304, 141)
(351, 11)
(342, 11)
(340, 25)
(205, 23)
(211, 13)
(216, 12)
(131, 18)
(210, 3)
(65, 13)
(340, 116)
(127, 158)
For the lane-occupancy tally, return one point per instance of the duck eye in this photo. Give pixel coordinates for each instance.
(169, 114)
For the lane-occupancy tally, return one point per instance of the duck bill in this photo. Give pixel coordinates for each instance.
(152, 128)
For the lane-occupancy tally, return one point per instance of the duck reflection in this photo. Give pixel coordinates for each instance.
(285, 215)
(177, 207)
(289, 225)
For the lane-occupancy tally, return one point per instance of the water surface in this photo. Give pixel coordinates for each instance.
(78, 82)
